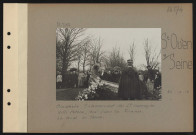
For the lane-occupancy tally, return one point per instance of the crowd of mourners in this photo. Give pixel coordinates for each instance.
(73, 79)
(133, 84)
(150, 75)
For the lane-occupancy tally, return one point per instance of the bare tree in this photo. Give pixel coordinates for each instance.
(67, 42)
(132, 52)
(115, 58)
(151, 55)
(96, 52)
(79, 57)
(59, 58)
(85, 54)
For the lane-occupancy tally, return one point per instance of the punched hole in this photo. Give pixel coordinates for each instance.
(8, 33)
(8, 47)
(8, 103)
(8, 90)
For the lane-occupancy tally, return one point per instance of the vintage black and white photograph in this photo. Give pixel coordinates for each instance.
(108, 64)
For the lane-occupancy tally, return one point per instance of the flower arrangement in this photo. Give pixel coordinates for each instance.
(91, 92)
(98, 91)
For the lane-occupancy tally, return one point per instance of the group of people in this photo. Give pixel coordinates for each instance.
(83, 79)
(112, 76)
(134, 85)
(73, 80)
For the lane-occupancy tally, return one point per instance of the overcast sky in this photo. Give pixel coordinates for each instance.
(123, 37)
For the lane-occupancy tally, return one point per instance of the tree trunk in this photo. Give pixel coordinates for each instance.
(64, 72)
(78, 66)
(84, 66)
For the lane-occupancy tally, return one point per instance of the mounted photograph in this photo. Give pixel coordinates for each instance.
(108, 64)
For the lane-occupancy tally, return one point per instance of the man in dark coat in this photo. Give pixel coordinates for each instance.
(157, 82)
(129, 86)
(151, 73)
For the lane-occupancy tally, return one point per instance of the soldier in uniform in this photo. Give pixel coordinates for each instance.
(129, 86)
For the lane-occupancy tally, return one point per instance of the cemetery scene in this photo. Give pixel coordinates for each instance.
(108, 64)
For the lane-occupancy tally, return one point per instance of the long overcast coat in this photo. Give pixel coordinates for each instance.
(129, 86)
